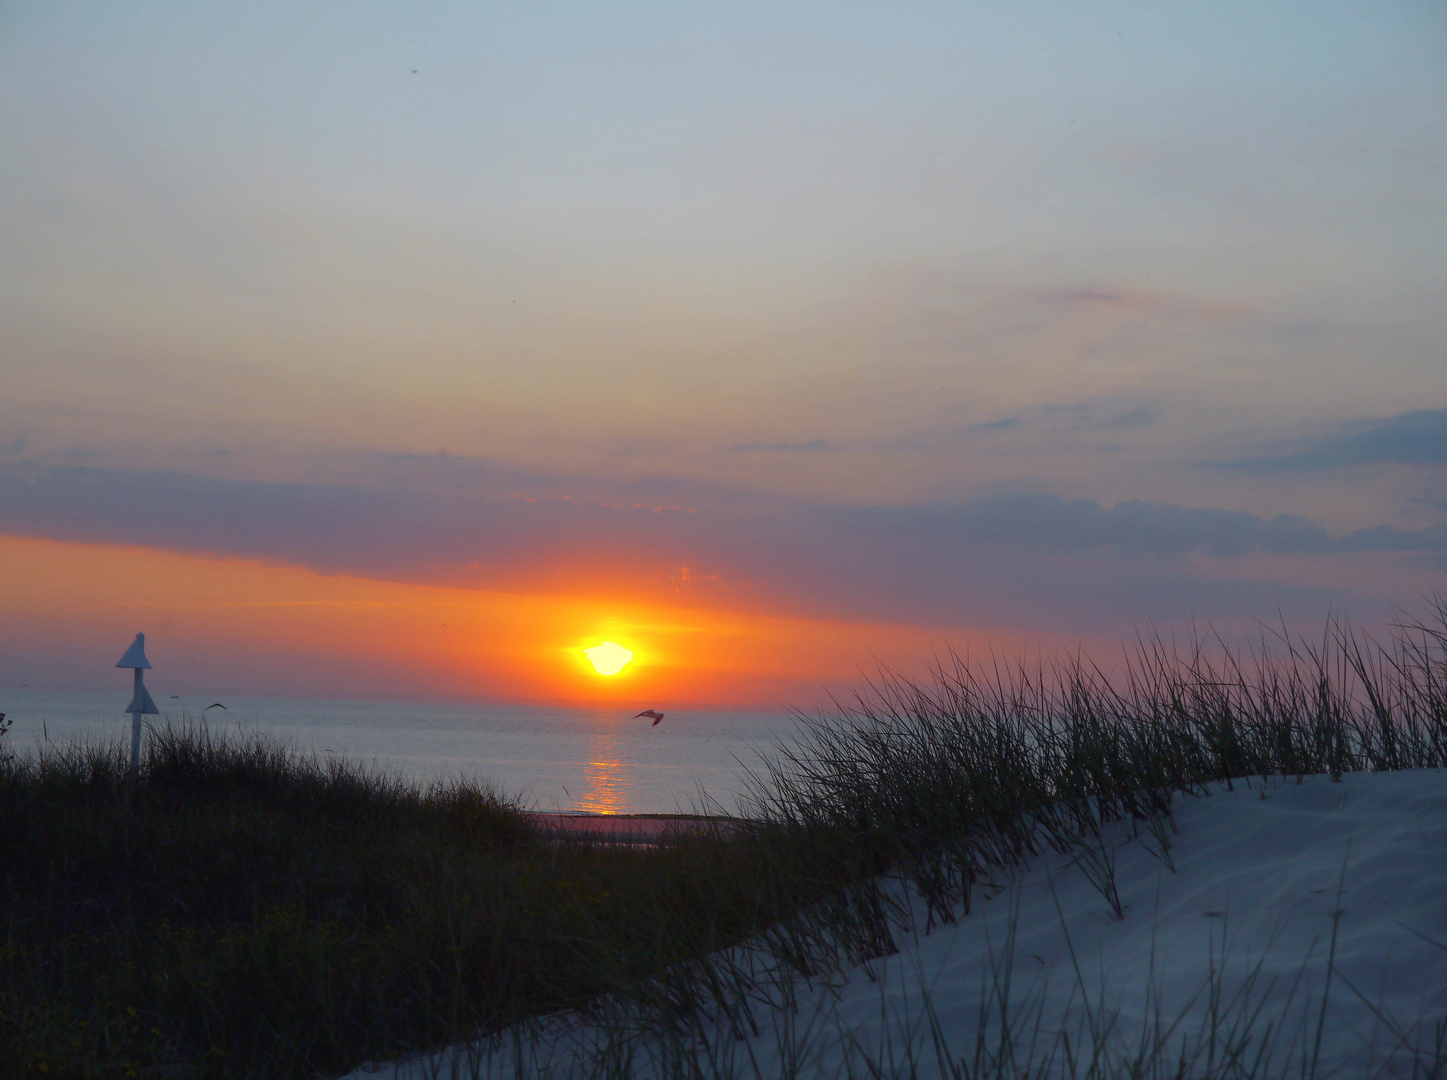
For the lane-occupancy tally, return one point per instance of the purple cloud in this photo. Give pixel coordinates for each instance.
(1413, 438)
(1038, 558)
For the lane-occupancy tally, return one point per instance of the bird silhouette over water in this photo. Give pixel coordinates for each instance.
(657, 716)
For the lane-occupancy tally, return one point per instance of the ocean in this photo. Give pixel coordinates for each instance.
(597, 760)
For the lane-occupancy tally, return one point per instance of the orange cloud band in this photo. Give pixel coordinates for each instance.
(249, 627)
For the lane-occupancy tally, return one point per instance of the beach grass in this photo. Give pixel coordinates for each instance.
(951, 778)
(243, 909)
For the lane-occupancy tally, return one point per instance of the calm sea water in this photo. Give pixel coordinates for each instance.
(588, 759)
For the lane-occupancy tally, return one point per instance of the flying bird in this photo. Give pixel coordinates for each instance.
(215, 705)
(657, 716)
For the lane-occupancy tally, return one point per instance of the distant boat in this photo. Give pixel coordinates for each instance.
(175, 697)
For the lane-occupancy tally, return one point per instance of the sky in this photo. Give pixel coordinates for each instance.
(389, 350)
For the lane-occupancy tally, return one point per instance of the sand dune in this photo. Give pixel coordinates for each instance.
(1224, 946)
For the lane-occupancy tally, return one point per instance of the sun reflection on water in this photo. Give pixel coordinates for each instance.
(607, 779)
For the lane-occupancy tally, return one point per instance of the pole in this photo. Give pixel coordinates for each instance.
(141, 703)
(136, 727)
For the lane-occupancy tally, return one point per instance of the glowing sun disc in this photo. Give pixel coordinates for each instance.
(608, 658)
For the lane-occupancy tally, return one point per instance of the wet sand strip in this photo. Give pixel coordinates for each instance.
(627, 828)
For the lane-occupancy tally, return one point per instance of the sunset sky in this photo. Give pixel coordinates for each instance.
(383, 350)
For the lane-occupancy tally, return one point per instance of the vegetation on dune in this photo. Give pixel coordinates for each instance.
(240, 909)
(952, 778)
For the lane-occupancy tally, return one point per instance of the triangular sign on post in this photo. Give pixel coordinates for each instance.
(142, 703)
(136, 658)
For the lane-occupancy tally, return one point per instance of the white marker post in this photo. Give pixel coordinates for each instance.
(141, 703)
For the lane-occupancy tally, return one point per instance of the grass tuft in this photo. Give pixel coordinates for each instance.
(242, 909)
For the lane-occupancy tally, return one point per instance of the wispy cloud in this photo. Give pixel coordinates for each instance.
(1084, 416)
(1135, 418)
(1147, 529)
(817, 444)
(1136, 303)
(1414, 438)
(1086, 295)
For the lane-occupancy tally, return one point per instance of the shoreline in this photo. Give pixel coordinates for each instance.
(625, 828)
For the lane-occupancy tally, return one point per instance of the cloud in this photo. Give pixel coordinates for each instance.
(333, 528)
(1003, 424)
(1135, 418)
(1135, 304)
(1083, 416)
(1137, 528)
(817, 444)
(1011, 558)
(1414, 438)
(1081, 296)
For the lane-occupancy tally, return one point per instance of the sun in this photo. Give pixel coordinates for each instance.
(609, 658)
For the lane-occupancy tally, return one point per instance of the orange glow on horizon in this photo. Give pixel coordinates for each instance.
(248, 627)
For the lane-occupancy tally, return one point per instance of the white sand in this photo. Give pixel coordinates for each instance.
(1245, 921)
